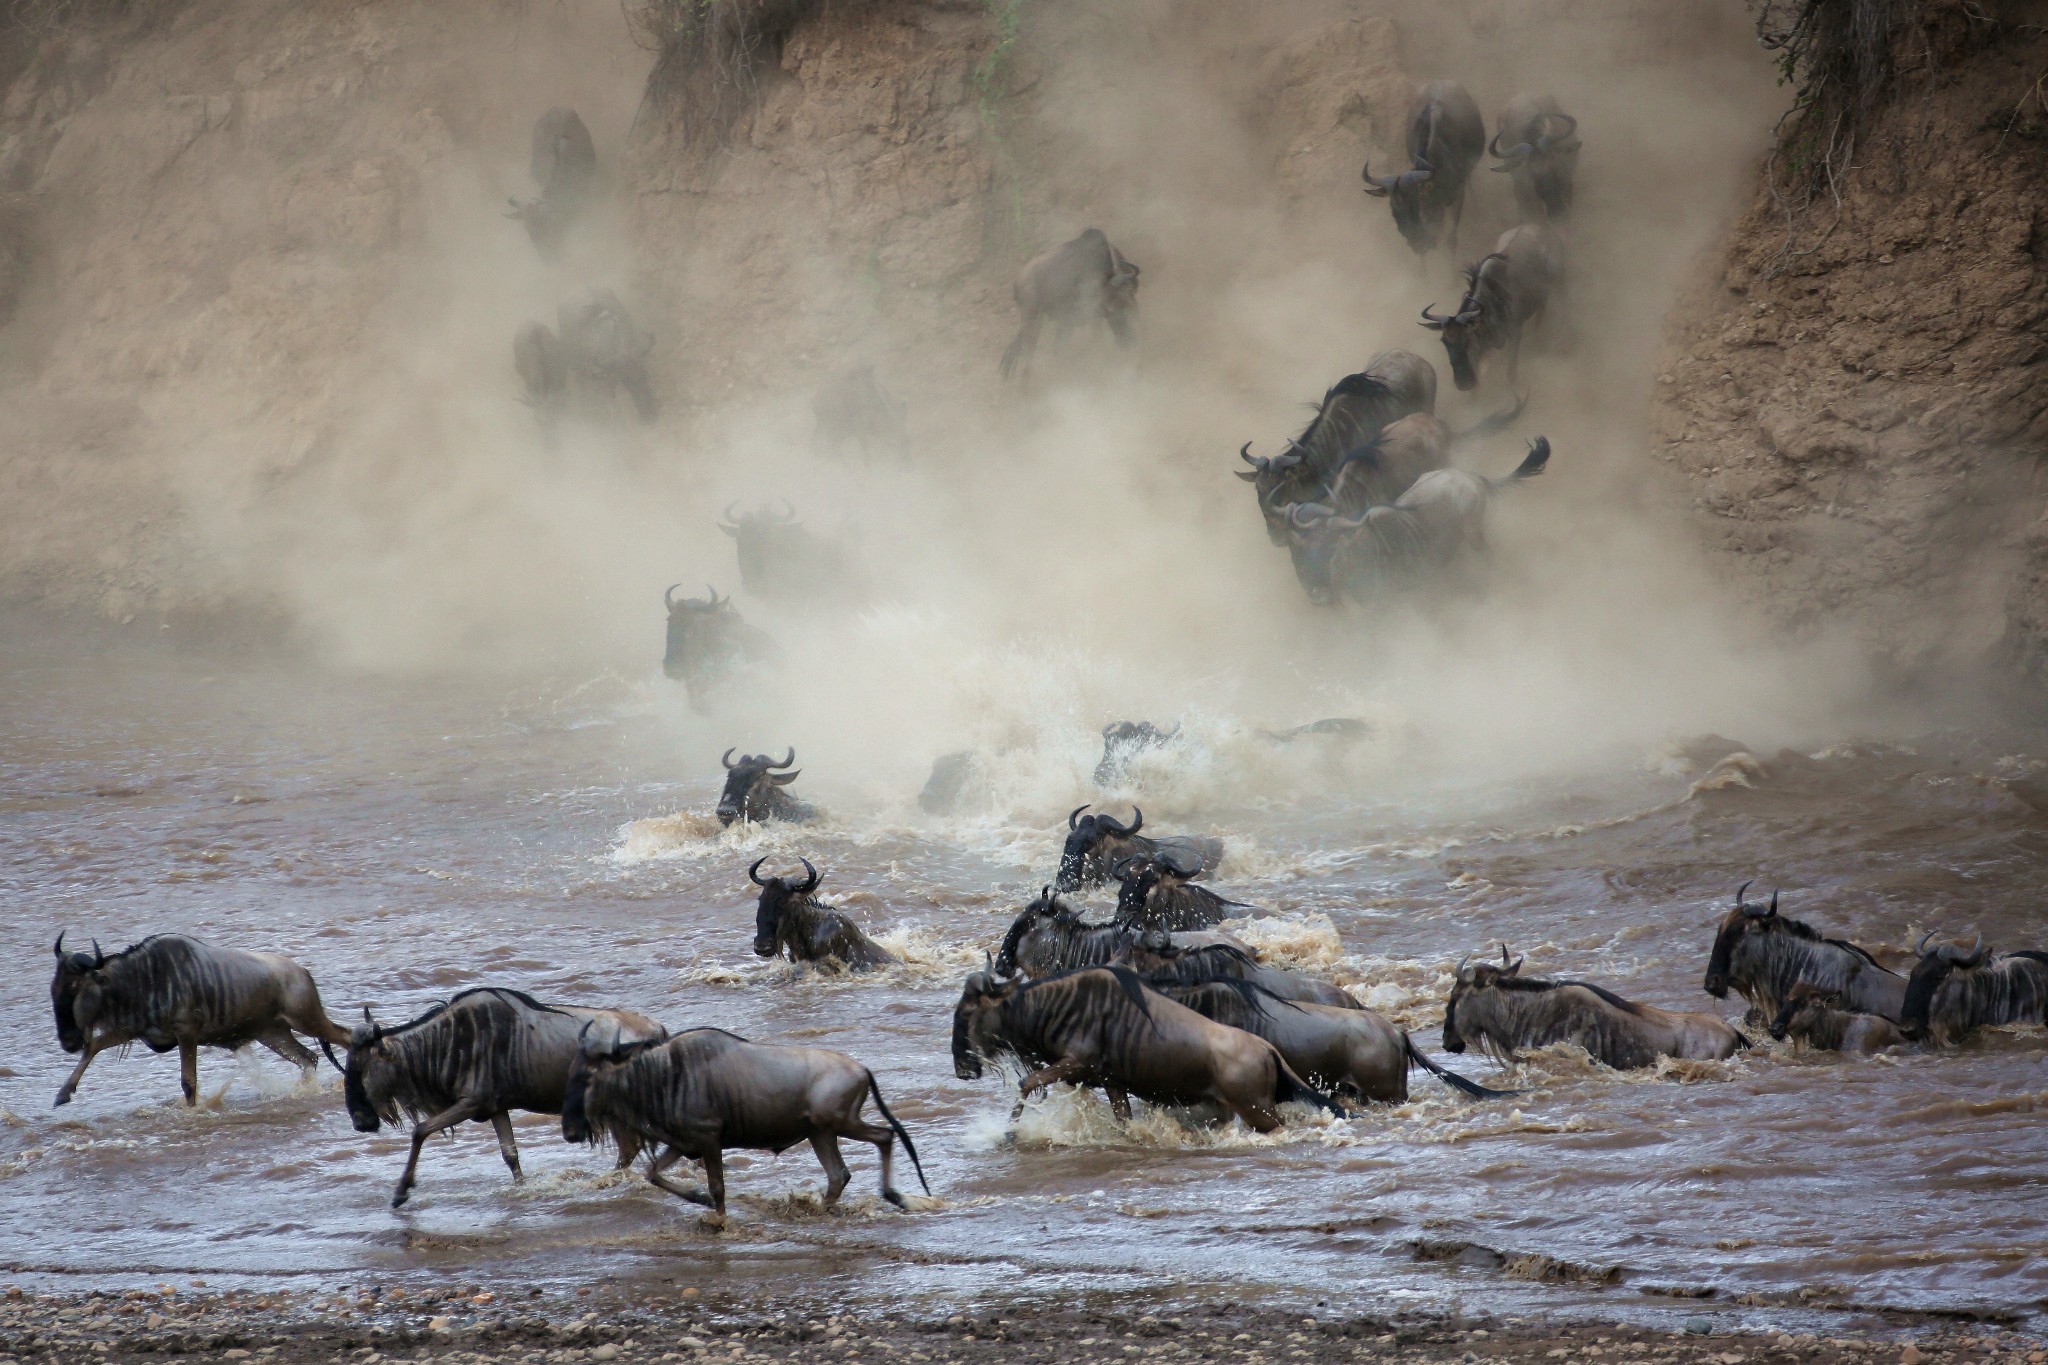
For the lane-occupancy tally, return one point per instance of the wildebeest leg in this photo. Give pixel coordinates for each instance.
(458, 1112)
(1045, 1076)
(1019, 351)
(714, 1180)
(826, 1145)
(188, 1069)
(1261, 1117)
(70, 1086)
(508, 1146)
(669, 1157)
(629, 1148)
(1119, 1104)
(281, 1041)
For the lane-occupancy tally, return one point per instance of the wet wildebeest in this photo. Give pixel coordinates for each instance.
(481, 1055)
(1504, 1013)
(1074, 284)
(606, 349)
(1507, 294)
(1762, 955)
(1820, 1018)
(1104, 1028)
(958, 782)
(565, 167)
(754, 791)
(1953, 993)
(1446, 137)
(1049, 937)
(783, 560)
(854, 411)
(1432, 533)
(1350, 1053)
(789, 922)
(169, 991)
(1538, 144)
(705, 1092)
(708, 641)
(1096, 843)
(1124, 740)
(1157, 892)
(1354, 410)
(1160, 960)
(1335, 730)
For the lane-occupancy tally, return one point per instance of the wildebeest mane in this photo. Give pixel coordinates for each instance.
(1517, 983)
(1801, 929)
(1196, 959)
(1254, 996)
(1133, 985)
(435, 1011)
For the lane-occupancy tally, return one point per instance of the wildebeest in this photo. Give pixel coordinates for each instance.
(1505, 1012)
(1155, 956)
(1762, 955)
(1124, 740)
(1538, 145)
(1354, 410)
(1334, 730)
(709, 641)
(543, 372)
(705, 1092)
(564, 165)
(1096, 843)
(1508, 292)
(1430, 533)
(480, 1055)
(853, 411)
(1820, 1018)
(1158, 892)
(1104, 1028)
(958, 782)
(1446, 137)
(754, 790)
(1953, 993)
(1347, 1052)
(783, 560)
(170, 991)
(605, 349)
(1048, 937)
(1075, 283)
(789, 922)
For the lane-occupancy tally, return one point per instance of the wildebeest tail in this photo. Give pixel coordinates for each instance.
(1532, 464)
(1450, 1077)
(1499, 422)
(902, 1133)
(1292, 1089)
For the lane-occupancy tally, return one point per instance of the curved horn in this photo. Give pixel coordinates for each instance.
(1074, 815)
(1742, 888)
(60, 943)
(1137, 815)
(810, 884)
(788, 759)
(1545, 141)
(788, 512)
(754, 872)
(1316, 512)
(1493, 145)
(731, 518)
(1967, 960)
(1374, 185)
(726, 759)
(1431, 320)
(99, 959)
(1920, 948)
(1515, 156)
(1116, 869)
(1459, 970)
(711, 595)
(1503, 954)
(1772, 912)
(668, 599)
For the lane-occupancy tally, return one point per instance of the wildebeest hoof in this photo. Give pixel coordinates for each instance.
(398, 1200)
(896, 1199)
(63, 1098)
(699, 1197)
(714, 1221)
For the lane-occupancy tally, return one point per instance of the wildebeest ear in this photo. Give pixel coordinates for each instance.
(784, 779)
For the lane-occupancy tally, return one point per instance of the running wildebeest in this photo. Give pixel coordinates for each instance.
(854, 411)
(1095, 843)
(1348, 1053)
(705, 1092)
(1819, 1017)
(1433, 532)
(1507, 294)
(1124, 740)
(1162, 961)
(1952, 994)
(709, 641)
(606, 350)
(1157, 892)
(1446, 137)
(480, 1055)
(754, 791)
(1505, 1012)
(1074, 284)
(564, 165)
(783, 560)
(1538, 145)
(1762, 955)
(170, 991)
(1103, 1028)
(1048, 937)
(789, 922)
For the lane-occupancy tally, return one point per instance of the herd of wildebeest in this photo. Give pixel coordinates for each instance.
(1159, 1001)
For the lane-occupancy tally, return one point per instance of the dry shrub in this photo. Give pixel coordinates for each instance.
(708, 55)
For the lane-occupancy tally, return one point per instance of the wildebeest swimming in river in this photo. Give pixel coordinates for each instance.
(1538, 144)
(1123, 741)
(1446, 136)
(564, 165)
(482, 1055)
(170, 991)
(1507, 294)
(1505, 1013)
(1820, 1018)
(1104, 1028)
(1761, 955)
(1049, 937)
(1156, 956)
(754, 790)
(1096, 843)
(788, 921)
(854, 412)
(1953, 993)
(1075, 283)
(1157, 892)
(705, 1092)
(709, 642)
(783, 560)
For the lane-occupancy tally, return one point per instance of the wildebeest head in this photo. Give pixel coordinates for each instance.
(1406, 193)
(362, 1080)
(1803, 1006)
(761, 538)
(776, 894)
(1929, 973)
(1120, 297)
(1459, 332)
(1084, 834)
(1548, 158)
(1280, 481)
(599, 1051)
(1124, 740)
(686, 617)
(748, 782)
(1468, 981)
(1745, 918)
(75, 993)
(973, 1020)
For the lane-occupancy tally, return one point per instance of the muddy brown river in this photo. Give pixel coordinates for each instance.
(407, 839)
